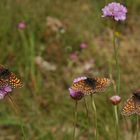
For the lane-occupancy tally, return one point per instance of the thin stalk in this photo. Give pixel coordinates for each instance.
(116, 49)
(87, 112)
(32, 58)
(116, 122)
(95, 116)
(25, 43)
(117, 84)
(137, 132)
(32, 53)
(17, 113)
(75, 119)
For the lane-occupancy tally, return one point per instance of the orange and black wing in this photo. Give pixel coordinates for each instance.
(129, 108)
(138, 107)
(91, 85)
(83, 87)
(8, 77)
(136, 95)
(14, 81)
(102, 84)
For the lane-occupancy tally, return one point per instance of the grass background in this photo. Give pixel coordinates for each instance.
(44, 103)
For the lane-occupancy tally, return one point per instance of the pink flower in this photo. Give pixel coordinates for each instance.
(115, 10)
(76, 95)
(83, 45)
(74, 56)
(22, 25)
(4, 90)
(115, 99)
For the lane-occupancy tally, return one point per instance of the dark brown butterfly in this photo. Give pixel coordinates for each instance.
(132, 105)
(8, 77)
(90, 85)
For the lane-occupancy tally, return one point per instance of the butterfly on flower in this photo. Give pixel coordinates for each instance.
(132, 105)
(9, 78)
(88, 85)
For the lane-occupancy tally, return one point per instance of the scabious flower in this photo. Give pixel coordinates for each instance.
(76, 95)
(22, 25)
(115, 10)
(83, 45)
(4, 90)
(115, 99)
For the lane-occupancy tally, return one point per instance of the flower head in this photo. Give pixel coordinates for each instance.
(83, 45)
(74, 56)
(115, 10)
(76, 95)
(115, 99)
(21, 25)
(4, 90)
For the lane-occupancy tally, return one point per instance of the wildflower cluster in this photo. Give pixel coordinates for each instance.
(115, 10)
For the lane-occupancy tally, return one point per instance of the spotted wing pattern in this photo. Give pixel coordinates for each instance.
(130, 107)
(136, 95)
(7, 77)
(14, 81)
(138, 107)
(91, 85)
(101, 84)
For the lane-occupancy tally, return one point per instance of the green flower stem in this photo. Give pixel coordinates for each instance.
(86, 106)
(117, 84)
(116, 49)
(95, 116)
(32, 53)
(137, 132)
(25, 43)
(29, 52)
(87, 112)
(116, 122)
(75, 120)
(17, 113)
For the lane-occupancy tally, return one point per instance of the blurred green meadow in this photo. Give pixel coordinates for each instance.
(46, 54)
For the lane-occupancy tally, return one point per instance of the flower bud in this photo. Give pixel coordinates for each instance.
(115, 99)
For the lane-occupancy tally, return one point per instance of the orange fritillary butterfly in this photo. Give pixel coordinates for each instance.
(132, 105)
(8, 77)
(90, 85)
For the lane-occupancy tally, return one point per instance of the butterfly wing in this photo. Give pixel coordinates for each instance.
(3, 75)
(82, 86)
(102, 84)
(91, 85)
(129, 108)
(7, 77)
(137, 102)
(14, 82)
(138, 108)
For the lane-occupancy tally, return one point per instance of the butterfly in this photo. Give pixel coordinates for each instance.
(132, 105)
(90, 85)
(8, 77)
